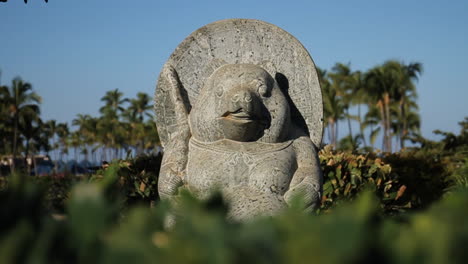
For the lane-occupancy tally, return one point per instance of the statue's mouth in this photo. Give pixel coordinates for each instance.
(239, 116)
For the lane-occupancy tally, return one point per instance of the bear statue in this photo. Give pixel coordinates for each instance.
(239, 111)
(238, 138)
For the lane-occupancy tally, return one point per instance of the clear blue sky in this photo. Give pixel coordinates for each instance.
(74, 51)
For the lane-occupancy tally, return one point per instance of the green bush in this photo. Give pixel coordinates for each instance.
(460, 176)
(57, 190)
(402, 181)
(346, 174)
(94, 230)
(137, 179)
(424, 176)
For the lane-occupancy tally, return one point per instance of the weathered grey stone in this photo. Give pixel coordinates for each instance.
(239, 109)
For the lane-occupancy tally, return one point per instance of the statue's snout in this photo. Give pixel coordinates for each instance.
(242, 98)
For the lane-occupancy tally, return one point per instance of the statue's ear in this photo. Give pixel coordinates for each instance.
(269, 67)
(212, 66)
(209, 69)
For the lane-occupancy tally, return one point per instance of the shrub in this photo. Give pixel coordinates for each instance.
(346, 174)
(95, 232)
(137, 179)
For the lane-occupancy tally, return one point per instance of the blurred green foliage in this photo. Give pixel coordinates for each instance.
(407, 207)
(95, 230)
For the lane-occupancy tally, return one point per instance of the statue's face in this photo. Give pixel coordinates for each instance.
(241, 102)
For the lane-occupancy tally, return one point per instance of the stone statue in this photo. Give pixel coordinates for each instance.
(239, 110)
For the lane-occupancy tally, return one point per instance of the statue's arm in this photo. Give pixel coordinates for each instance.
(172, 173)
(307, 180)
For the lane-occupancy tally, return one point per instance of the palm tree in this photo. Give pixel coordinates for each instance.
(91, 136)
(151, 138)
(41, 140)
(406, 96)
(141, 106)
(37, 136)
(342, 82)
(359, 97)
(30, 127)
(26, 1)
(113, 103)
(136, 129)
(371, 119)
(51, 128)
(75, 143)
(63, 133)
(333, 108)
(111, 131)
(80, 138)
(134, 116)
(389, 83)
(380, 83)
(21, 102)
(6, 124)
(406, 123)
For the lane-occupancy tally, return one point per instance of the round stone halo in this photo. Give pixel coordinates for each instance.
(243, 41)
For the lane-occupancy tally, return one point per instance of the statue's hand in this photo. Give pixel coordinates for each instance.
(307, 180)
(169, 181)
(309, 194)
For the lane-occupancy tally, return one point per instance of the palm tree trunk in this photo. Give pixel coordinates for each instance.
(93, 156)
(336, 133)
(140, 148)
(26, 156)
(349, 124)
(349, 127)
(333, 131)
(388, 122)
(104, 156)
(404, 124)
(361, 130)
(383, 123)
(33, 161)
(15, 138)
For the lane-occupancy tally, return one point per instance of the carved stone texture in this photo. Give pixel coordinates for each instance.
(239, 109)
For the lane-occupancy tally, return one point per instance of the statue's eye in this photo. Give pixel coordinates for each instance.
(262, 88)
(219, 91)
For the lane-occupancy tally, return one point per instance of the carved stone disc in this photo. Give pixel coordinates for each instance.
(236, 41)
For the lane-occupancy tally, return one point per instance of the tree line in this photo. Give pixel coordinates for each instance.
(124, 126)
(384, 98)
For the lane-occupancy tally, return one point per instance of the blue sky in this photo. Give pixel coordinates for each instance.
(74, 51)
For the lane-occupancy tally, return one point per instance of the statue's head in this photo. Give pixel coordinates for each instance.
(240, 102)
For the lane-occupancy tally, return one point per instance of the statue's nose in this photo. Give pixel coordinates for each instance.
(242, 97)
